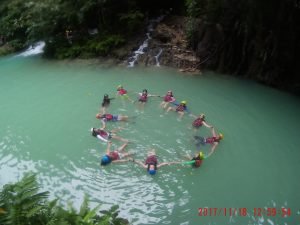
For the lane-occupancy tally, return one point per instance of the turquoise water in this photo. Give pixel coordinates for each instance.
(48, 108)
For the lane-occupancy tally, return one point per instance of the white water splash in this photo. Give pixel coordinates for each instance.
(157, 57)
(142, 48)
(35, 49)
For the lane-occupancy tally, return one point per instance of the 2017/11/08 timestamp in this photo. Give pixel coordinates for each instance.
(269, 212)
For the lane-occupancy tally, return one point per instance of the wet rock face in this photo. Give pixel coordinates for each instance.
(169, 39)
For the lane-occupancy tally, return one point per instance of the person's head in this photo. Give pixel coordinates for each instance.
(183, 103)
(170, 93)
(152, 170)
(202, 116)
(201, 155)
(221, 136)
(105, 160)
(105, 96)
(119, 87)
(145, 91)
(98, 115)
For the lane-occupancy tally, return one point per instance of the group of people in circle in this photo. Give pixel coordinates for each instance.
(151, 164)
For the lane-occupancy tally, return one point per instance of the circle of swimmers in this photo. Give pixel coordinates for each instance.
(151, 164)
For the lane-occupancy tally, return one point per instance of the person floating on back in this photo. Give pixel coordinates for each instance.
(105, 103)
(180, 109)
(151, 163)
(106, 136)
(168, 98)
(110, 117)
(195, 161)
(117, 155)
(214, 141)
(199, 121)
(123, 93)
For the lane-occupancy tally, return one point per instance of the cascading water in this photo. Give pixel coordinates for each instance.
(35, 49)
(157, 57)
(143, 48)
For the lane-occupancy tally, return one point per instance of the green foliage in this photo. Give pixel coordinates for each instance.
(22, 204)
(133, 20)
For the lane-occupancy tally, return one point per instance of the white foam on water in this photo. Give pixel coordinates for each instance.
(35, 49)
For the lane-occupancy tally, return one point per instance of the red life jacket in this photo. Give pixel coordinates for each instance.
(152, 159)
(180, 108)
(197, 163)
(114, 155)
(144, 97)
(211, 140)
(108, 116)
(122, 91)
(198, 122)
(168, 98)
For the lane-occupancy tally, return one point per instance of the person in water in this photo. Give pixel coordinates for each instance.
(105, 103)
(168, 98)
(199, 121)
(151, 163)
(109, 117)
(214, 140)
(114, 156)
(106, 136)
(198, 159)
(143, 97)
(180, 109)
(123, 93)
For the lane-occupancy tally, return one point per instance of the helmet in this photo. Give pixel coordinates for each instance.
(183, 102)
(221, 136)
(152, 172)
(105, 160)
(119, 86)
(145, 90)
(106, 96)
(201, 155)
(98, 115)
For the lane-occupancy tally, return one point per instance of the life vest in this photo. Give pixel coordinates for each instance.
(151, 160)
(107, 116)
(122, 91)
(211, 140)
(144, 97)
(197, 162)
(180, 108)
(168, 98)
(114, 155)
(198, 122)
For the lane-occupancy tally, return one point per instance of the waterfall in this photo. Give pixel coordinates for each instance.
(35, 49)
(157, 57)
(143, 47)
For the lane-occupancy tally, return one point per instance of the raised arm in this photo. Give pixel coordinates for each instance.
(207, 125)
(108, 147)
(212, 149)
(213, 131)
(103, 125)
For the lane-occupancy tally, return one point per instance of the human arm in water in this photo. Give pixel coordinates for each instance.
(103, 125)
(140, 163)
(166, 164)
(212, 150)
(108, 147)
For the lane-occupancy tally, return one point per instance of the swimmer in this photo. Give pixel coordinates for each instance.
(110, 117)
(180, 109)
(198, 158)
(143, 97)
(214, 140)
(115, 156)
(123, 93)
(106, 136)
(105, 103)
(151, 163)
(199, 121)
(167, 99)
